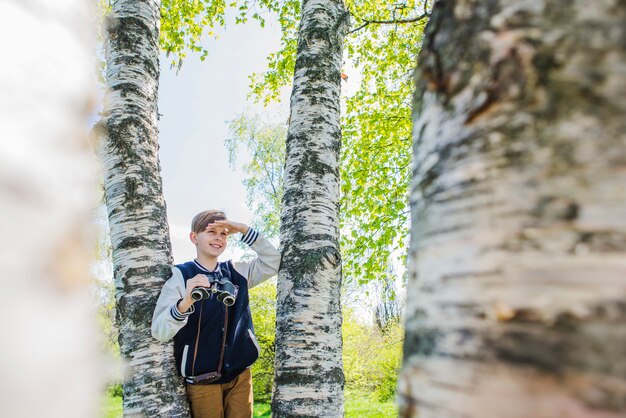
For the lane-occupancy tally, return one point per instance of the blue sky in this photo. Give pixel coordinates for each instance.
(195, 105)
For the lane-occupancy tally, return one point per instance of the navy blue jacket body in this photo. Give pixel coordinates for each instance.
(205, 329)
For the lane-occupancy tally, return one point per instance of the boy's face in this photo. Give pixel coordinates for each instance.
(212, 241)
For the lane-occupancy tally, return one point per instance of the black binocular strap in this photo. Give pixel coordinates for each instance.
(195, 351)
(219, 367)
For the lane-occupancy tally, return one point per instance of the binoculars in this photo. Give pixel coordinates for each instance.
(224, 289)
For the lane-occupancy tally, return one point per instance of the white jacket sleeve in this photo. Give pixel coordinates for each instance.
(265, 265)
(167, 320)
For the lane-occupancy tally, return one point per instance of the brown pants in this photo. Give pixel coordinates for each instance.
(230, 400)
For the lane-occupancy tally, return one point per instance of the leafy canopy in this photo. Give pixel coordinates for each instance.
(183, 22)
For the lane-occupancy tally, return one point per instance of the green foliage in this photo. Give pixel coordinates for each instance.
(112, 407)
(263, 307)
(103, 287)
(184, 22)
(377, 142)
(105, 303)
(371, 357)
(265, 143)
(104, 292)
(115, 390)
(266, 86)
(262, 410)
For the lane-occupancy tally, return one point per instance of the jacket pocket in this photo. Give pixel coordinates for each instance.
(183, 363)
(254, 341)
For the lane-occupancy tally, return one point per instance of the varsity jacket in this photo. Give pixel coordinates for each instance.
(198, 333)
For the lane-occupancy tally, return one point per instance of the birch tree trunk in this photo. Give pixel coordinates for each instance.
(136, 208)
(49, 356)
(309, 374)
(516, 294)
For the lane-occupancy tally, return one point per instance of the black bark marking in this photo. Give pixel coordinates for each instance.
(555, 208)
(422, 343)
(127, 34)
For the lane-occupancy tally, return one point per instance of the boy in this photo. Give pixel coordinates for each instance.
(214, 343)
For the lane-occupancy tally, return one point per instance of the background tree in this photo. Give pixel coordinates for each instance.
(308, 376)
(265, 143)
(372, 341)
(517, 270)
(139, 231)
(387, 303)
(50, 343)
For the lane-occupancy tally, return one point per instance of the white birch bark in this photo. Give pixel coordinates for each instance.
(309, 374)
(136, 208)
(49, 357)
(517, 272)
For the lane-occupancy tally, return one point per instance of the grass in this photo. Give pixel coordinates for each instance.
(112, 407)
(262, 410)
(357, 405)
(363, 405)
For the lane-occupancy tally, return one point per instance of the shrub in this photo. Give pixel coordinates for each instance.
(371, 357)
(114, 390)
(263, 306)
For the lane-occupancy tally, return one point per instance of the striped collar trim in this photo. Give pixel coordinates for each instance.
(201, 267)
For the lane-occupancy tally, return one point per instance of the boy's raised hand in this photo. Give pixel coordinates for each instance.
(231, 226)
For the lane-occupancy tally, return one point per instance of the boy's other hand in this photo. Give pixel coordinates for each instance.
(231, 226)
(199, 280)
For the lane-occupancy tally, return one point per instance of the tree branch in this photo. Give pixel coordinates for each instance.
(390, 21)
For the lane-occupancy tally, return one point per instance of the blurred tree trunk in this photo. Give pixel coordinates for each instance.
(309, 374)
(517, 282)
(137, 217)
(50, 361)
